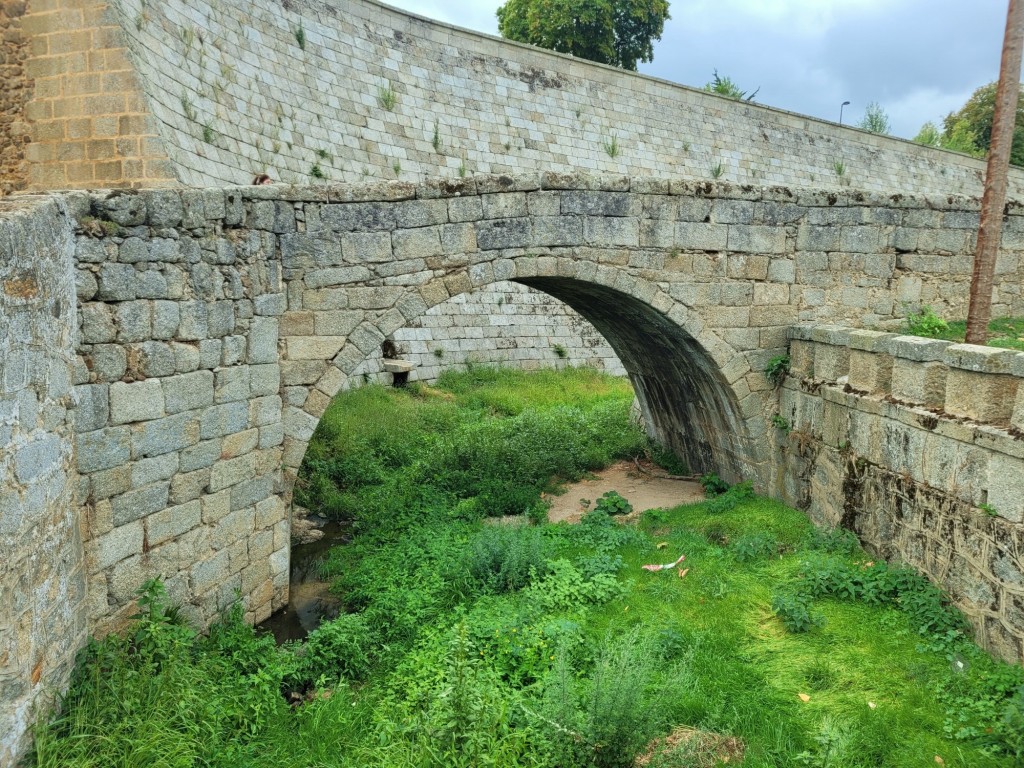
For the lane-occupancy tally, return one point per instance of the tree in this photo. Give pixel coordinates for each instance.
(724, 86)
(875, 119)
(970, 128)
(929, 135)
(617, 32)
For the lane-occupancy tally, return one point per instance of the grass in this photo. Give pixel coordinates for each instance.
(1006, 332)
(466, 644)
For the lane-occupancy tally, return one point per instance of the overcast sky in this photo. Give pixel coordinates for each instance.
(919, 59)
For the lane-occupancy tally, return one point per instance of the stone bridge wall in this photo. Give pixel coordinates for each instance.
(918, 446)
(42, 573)
(214, 327)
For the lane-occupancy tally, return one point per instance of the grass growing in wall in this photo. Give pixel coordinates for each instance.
(465, 644)
(1005, 332)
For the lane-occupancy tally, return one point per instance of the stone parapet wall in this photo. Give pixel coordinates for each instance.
(917, 445)
(311, 89)
(42, 579)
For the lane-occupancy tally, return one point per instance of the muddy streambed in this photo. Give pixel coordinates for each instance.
(309, 597)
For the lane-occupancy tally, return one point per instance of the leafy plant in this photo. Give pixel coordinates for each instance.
(926, 323)
(794, 611)
(712, 484)
(505, 559)
(611, 503)
(988, 509)
(560, 351)
(300, 36)
(397, 168)
(436, 140)
(724, 86)
(386, 97)
(781, 422)
(317, 172)
(755, 546)
(776, 369)
(208, 133)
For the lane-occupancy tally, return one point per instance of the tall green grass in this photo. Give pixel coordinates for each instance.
(466, 644)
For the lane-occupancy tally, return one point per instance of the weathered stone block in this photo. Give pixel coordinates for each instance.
(102, 449)
(831, 362)
(985, 397)
(171, 433)
(172, 522)
(122, 542)
(140, 401)
(228, 472)
(139, 503)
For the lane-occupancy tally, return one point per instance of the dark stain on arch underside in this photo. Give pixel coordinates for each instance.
(687, 404)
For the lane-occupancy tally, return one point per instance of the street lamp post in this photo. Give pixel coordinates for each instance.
(844, 104)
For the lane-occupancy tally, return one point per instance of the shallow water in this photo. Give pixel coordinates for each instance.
(309, 597)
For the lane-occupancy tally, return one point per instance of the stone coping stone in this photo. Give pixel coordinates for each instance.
(870, 341)
(398, 366)
(917, 348)
(973, 357)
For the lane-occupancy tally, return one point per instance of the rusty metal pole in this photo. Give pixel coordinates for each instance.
(994, 199)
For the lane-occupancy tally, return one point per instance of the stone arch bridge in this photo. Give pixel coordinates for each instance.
(216, 326)
(165, 354)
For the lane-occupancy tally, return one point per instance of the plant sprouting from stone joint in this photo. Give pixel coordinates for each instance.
(781, 422)
(208, 133)
(397, 168)
(187, 109)
(717, 170)
(317, 172)
(436, 140)
(776, 369)
(612, 147)
(839, 167)
(386, 97)
(560, 351)
(300, 36)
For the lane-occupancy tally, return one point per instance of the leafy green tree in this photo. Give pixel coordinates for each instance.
(970, 128)
(724, 86)
(875, 119)
(929, 135)
(617, 32)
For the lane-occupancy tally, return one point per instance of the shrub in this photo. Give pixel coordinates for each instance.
(712, 484)
(337, 649)
(776, 369)
(926, 323)
(504, 559)
(613, 504)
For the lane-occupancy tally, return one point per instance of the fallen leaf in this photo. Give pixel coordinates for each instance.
(939, 760)
(683, 572)
(804, 697)
(662, 544)
(872, 704)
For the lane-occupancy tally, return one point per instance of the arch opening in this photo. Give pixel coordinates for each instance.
(687, 404)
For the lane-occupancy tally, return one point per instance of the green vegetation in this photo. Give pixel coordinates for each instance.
(616, 32)
(875, 119)
(776, 370)
(1005, 332)
(969, 129)
(471, 644)
(386, 97)
(724, 86)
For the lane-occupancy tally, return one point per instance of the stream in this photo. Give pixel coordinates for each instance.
(309, 597)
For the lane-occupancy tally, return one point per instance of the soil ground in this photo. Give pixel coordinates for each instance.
(642, 485)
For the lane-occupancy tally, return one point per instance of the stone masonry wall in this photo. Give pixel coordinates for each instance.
(309, 89)
(17, 88)
(501, 324)
(42, 579)
(178, 427)
(917, 446)
(85, 118)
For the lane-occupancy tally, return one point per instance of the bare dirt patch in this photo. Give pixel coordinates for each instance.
(643, 485)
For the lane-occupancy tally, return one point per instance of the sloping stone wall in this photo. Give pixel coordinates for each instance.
(306, 89)
(918, 447)
(42, 579)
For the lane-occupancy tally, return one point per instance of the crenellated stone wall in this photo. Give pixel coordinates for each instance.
(918, 446)
(42, 575)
